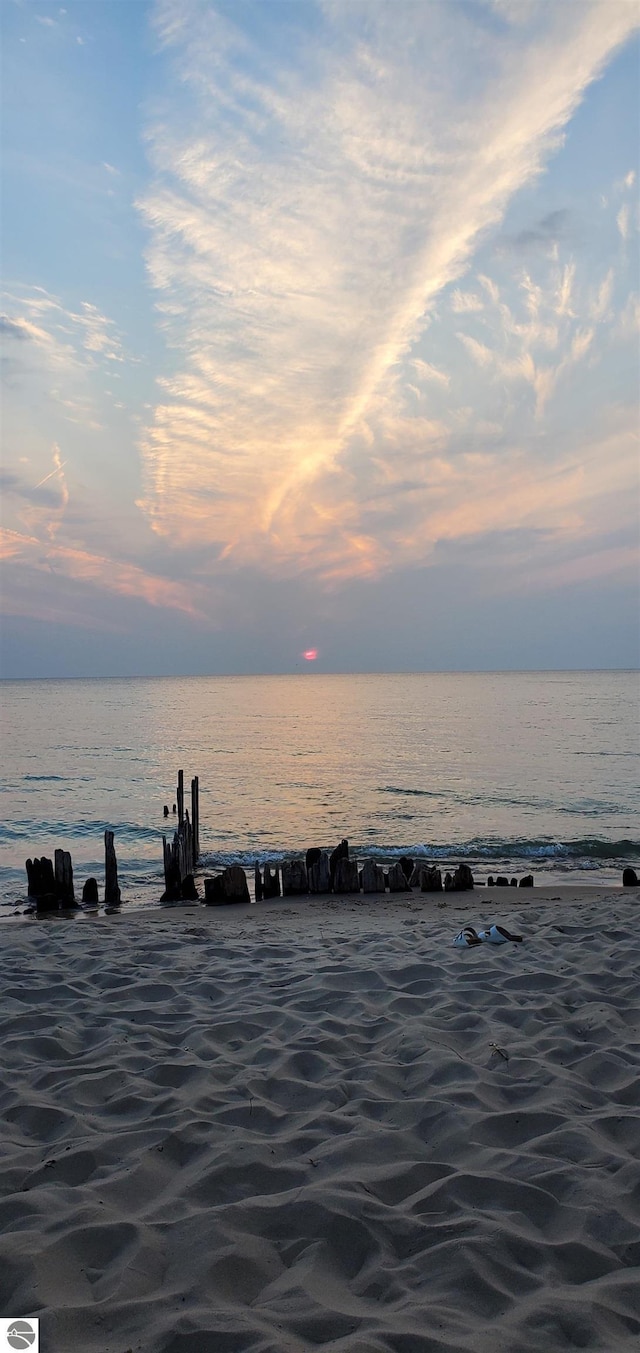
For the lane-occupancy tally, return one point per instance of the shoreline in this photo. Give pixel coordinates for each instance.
(478, 898)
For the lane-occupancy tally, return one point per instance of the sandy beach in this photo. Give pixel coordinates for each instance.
(314, 1124)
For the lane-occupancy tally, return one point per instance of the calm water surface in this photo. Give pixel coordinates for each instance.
(527, 770)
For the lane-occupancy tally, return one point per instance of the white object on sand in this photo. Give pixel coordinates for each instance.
(498, 934)
(467, 937)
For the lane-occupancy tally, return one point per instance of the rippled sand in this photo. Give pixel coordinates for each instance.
(315, 1125)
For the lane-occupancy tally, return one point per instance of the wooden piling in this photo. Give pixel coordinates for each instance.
(195, 817)
(111, 890)
(63, 873)
(180, 856)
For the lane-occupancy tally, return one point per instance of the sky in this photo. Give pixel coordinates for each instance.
(319, 336)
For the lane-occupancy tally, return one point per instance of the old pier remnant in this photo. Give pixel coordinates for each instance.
(50, 884)
(182, 853)
(111, 887)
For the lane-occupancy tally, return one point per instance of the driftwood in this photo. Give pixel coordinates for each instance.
(111, 890)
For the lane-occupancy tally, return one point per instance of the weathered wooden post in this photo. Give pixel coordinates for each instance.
(63, 873)
(111, 890)
(181, 855)
(41, 882)
(195, 817)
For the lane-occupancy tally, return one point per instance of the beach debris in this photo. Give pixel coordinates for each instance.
(341, 852)
(467, 938)
(318, 872)
(90, 894)
(372, 877)
(230, 886)
(345, 875)
(501, 1052)
(398, 881)
(498, 934)
(526, 881)
(294, 878)
(629, 878)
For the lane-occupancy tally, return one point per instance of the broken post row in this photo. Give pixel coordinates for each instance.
(180, 856)
(50, 884)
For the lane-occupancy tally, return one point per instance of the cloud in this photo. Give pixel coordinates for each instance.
(14, 328)
(426, 371)
(554, 228)
(304, 220)
(61, 350)
(99, 571)
(623, 220)
(464, 302)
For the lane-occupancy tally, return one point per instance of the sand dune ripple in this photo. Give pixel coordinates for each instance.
(305, 1128)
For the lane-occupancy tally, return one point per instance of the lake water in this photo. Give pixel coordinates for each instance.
(512, 772)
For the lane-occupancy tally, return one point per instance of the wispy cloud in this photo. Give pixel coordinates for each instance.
(67, 339)
(545, 235)
(105, 573)
(304, 222)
